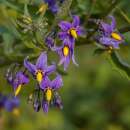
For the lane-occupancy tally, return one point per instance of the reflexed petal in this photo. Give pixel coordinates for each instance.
(42, 61)
(66, 62)
(45, 106)
(50, 69)
(76, 21)
(62, 60)
(57, 82)
(31, 68)
(57, 100)
(106, 28)
(73, 59)
(45, 83)
(113, 22)
(65, 26)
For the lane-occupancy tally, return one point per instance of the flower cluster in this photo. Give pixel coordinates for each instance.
(46, 89)
(69, 33)
(108, 35)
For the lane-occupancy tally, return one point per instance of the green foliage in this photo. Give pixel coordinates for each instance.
(95, 97)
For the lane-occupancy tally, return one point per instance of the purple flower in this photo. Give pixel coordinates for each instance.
(40, 70)
(66, 53)
(52, 5)
(49, 88)
(18, 81)
(108, 35)
(70, 30)
(11, 104)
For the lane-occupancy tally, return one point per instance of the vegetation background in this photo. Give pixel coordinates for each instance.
(95, 95)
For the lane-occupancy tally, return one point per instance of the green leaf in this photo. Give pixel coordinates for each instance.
(98, 51)
(119, 64)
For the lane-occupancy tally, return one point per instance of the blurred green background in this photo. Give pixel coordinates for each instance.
(95, 95)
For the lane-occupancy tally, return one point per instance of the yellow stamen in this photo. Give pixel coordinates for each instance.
(73, 33)
(66, 50)
(18, 90)
(16, 112)
(116, 36)
(48, 94)
(39, 76)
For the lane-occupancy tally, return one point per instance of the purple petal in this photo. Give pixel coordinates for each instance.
(113, 22)
(76, 21)
(66, 62)
(45, 106)
(73, 59)
(62, 60)
(50, 69)
(31, 68)
(45, 83)
(42, 61)
(62, 35)
(65, 26)
(57, 100)
(110, 41)
(107, 30)
(23, 79)
(57, 82)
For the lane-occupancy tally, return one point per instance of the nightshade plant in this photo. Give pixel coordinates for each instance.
(58, 36)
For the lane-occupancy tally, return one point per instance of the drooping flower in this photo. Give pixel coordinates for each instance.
(66, 53)
(40, 70)
(49, 88)
(70, 31)
(108, 35)
(52, 5)
(18, 81)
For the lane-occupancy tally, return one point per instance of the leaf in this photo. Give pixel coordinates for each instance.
(119, 64)
(98, 51)
(8, 42)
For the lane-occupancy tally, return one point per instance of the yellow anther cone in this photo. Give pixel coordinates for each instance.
(73, 33)
(18, 90)
(116, 36)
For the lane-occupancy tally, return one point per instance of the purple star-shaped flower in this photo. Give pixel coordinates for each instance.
(49, 88)
(66, 53)
(18, 81)
(70, 30)
(108, 35)
(52, 5)
(40, 70)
